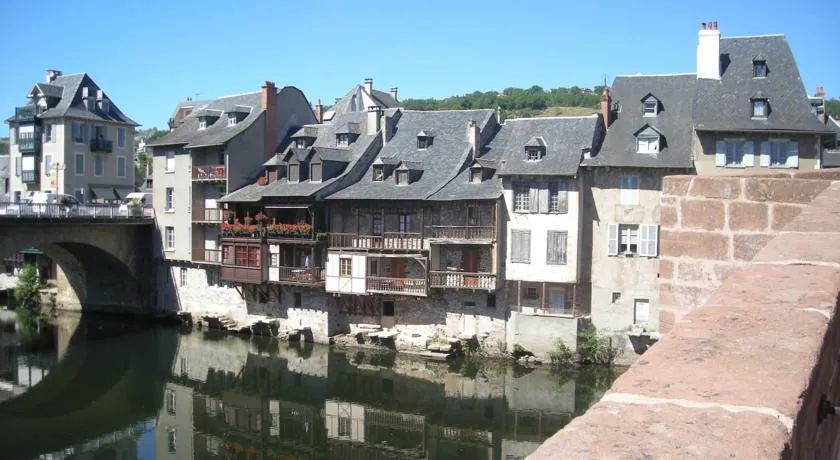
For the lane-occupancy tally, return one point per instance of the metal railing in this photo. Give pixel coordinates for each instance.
(207, 255)
(30, 176)
(27, 142)
(461, 232)
(389, 240)
(209, 172)
(407, 286)
(466, 280)
(213, 215)
(101, 145)
(74, 211)
(297, 274)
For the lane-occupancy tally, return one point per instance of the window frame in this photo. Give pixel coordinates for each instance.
(182, 277)
(169, 238)
(76, 157)
(775, 149)
(632, 230)
(652, 104)
(121, 158)
(169, 199)
(756, 103)
(121, 137)
(402, 177)
(517, 240)
(232, 119)
(475, 176)
(563, 236)
(521, 198)
(423, 142)
(404, 222)
(759, 68)
(345, 267)
(378, 174)
(376, 227)
(202, 123)
(98, 166)
(648, 140)
(533, 154)
(48, 164)
(167, 156)
(555, 189)
(342, 139)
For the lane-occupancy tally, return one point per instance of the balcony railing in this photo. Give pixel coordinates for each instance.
(212, 215)
(462, 280)
(25, 114)
(405, 286)
(211, 256)
(297, 275)
(451, 232)
(27, 143)
(73, 211)
(101, 145)
(237, 274)
(30, 176)
(390, 240)
(209, 173)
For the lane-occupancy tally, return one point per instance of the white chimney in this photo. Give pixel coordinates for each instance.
(373, 120)
(472, 136)
(394, 93)
(708, 51)
(369, 85)
(51, 75)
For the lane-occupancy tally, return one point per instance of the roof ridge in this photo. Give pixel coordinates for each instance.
(679, 74)
(447, 110)
(753, 36)
(235, 95)
(556, 117)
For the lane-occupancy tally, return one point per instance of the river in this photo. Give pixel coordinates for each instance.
(102, 388)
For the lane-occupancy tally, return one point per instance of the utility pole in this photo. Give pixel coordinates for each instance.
(57, 166)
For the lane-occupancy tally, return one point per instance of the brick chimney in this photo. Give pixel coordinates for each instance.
(319, 112)
(606, 105)
(820, 92)
(394, 93)
(373, 116)
(369, 85)
(268, 102)
(708, 51)
(51, 75)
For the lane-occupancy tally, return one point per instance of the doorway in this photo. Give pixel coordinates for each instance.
(469, 264)
(387, 320)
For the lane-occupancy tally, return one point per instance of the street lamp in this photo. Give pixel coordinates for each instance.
(56, 181)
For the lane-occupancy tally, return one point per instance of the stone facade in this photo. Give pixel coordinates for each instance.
(197, 289)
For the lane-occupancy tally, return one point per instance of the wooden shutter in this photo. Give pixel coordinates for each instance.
(764, 157)
(533, 199)
(612, 239)
(563, 196)
(792, 155)
(514, 246)
(293, 173)
(749, 154)
(556, 248)
(720, 153)
(520, 250)
(543, 196)
(315, 174)
(525, 246)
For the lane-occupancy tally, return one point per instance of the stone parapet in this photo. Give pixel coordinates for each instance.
(742, 376)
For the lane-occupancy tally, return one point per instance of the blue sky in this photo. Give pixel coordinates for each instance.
(148, 55)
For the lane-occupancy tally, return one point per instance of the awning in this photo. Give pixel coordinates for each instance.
(34, 251)
(123, 191)
(103, 192)
(287, 206)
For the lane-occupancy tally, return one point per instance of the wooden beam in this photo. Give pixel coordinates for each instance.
(519, 295)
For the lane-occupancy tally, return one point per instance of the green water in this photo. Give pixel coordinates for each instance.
(105, 389)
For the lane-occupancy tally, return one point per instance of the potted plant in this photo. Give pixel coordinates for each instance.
(261, 180)
(228, 216)
(259, 218)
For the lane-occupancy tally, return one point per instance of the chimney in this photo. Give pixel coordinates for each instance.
(472, 136)
(499, 114)
(51, 75)
(268, 102)
(394, 93)
(319, 112)
(708, 51)
(820, 92)
(606, 104)
(369, 85)
(373, 115)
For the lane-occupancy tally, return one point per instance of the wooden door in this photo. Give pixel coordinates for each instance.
(469, 264)
(398, 273)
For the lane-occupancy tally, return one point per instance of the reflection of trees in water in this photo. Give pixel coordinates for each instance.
(35, 333)
(591, 382)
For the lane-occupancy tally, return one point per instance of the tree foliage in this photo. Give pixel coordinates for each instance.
(28, 289)
(832, 107)
(533, 98)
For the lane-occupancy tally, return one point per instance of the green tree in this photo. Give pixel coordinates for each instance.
(832, 107)
(27, 291)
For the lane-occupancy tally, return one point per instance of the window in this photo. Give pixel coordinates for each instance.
(170, 238)
(170, 440)
(630, 189)
(491, 300)
(344, 425)
(202, 123)
(294, 173)
(556, 248)
(120, 137)
(647, 144)
(533, 154)
(402, 177)
(558, 197)
(345, 267)
(378, 173)
(76, 132)
(521, 199)
(231, 119)
(373, 268)
(48, 132)
(214, 278)
(388, 307)
(520, 249)
(253, 256)
(169, 166)
(342, 140)
(759, 69)
(631, 240)
(298, 300)
(423, 142)
(183, 277)
(531, 292)
(84, 131)
(170, 199)
(18, 166)
(79, 164)
(475, 176)
(405, 223)
(641, 311)
(315, 172)
(98, 165)
(300, 143)
(780, 153)
(120, 166)
(734, 153)
(473, 216)
(170, 402)
(376, 225)
(759, 108)
(616, 297)
(650, 108)
(48, 164)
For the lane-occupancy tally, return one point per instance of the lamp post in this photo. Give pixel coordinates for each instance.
(57, 180)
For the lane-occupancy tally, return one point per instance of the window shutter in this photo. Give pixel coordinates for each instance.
(749, 154)
(543, 194)
(764, 161)
(555, 248)
(643, 240)
(612, 240)
(514, 245)
(793, 155)
(563, 196)
(533, 199)
(525, 246)
(720, 153)
(653, 241)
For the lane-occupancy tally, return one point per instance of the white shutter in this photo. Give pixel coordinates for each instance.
(764, 161)
(514, 246)
(612, 239)
(749, 154)
(720, 153)
(526, 246)
(792, 155)
(643, 240)
(649, 246)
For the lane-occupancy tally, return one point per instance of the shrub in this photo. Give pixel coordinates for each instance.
(597, 348)
(561, 356)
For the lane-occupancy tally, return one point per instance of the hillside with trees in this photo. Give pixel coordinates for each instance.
(832, 107)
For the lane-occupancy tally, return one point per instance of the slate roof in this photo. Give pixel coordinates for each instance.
(441, 162)
(188, 134)
(833, 125)
(564, 139)
(674, 120)
(343, 105)
(725, 105)
(69, 89)
(460, 187)
(324, 148)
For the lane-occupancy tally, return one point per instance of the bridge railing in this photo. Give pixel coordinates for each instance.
(74, 211)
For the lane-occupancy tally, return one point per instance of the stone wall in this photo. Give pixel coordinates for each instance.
(713, 225)
(742, 376)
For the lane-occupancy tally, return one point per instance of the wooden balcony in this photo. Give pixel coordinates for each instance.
(388, 241)
(209, 173)
(207, 256)
(238, 274)
(208, 216)
(462, 280)
(402, 286)
(461, 233)
(297, 275)
(28, 143)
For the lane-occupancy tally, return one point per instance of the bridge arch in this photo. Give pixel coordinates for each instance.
(102, 266)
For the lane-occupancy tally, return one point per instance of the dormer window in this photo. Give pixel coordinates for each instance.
(301, 143)
(402, 177)
(759, 108)
(232, 119)
(533, 154)
(378, 173)
(650, 106)
(342, 140)
(202, 123)
(424, 139)
(759, 68)
(647, 144)
(475, 176)
(294, 173)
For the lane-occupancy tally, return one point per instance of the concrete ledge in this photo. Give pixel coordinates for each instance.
(741, 376)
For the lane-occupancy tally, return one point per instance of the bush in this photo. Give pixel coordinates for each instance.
(597, 348)
(28, 289)
(562, 356)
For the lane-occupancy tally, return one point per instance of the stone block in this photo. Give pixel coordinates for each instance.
(722, 271)
(697, 245)
(675, 185)
(799, 247)
(696, 271)
(745, 247)
(666, 269)
(667, 319)
(782, 214)
(715, 187)
(668, 216)
(669, 200)
(702, 214)
(748, 216)
(783, 190)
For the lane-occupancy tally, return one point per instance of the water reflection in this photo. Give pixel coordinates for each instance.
(159, 394)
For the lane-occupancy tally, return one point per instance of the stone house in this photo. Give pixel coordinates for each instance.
(214, 147)
(71, 138)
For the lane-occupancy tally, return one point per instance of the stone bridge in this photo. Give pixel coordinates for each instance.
(750, 282)
(104, 264)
